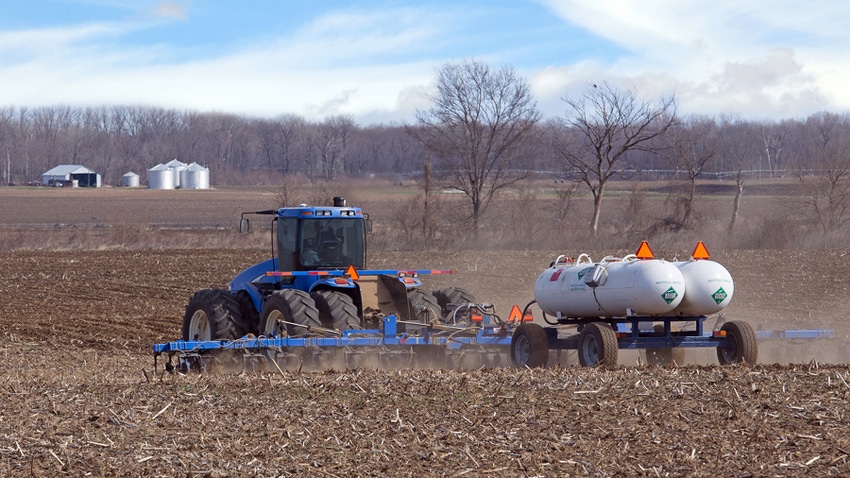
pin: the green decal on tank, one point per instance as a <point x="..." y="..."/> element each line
<point x="669" y="295"/>
<point x="719" y="296"/>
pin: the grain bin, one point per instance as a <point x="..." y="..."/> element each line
<point x="161" y="177"/>
<point x="177" y="166"/>
<point x="130" y="180"/>
<point x="195" y="176"/>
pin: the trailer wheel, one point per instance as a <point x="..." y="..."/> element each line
<point x="529" y="346"/>
<point x="213" y="314"/>
<point x="597" y="346"/>
<point x="452" y="295"/>
<point x="288" y="305"/>
<point x="741" y="345"/>
<point x="336" y="310"/>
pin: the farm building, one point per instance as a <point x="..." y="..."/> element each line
<point x="71" y="175"/>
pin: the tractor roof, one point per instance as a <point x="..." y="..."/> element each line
<point x="309" y="212"/>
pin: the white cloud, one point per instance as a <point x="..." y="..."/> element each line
<point x="332" y="66"/>
<point x="173" y="10"/>
<point x="758" y="58"/>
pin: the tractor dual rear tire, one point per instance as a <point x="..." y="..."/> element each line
<point x="597" y="346"/>
<point x="423" y="308"/>
<point x="336" y="310"/>
<point x="452" y="295"/>
<point x="288" y="312"/>
<point x="741" y="345"/>
<point x="213" y="314"/>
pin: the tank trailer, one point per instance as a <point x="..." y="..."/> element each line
<point x="316" y="304"/>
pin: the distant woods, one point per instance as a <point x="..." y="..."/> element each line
<point x="481" y="135"/>
<point x="113" y="140"/>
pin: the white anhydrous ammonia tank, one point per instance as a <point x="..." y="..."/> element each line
<point x="708" y="288"/>
<point x="613" y="287"/>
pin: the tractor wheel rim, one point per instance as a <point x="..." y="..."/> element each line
<point x="271" y="329"/>
<point x="199" y="326"/>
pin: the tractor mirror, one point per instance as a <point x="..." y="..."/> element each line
<point x="368" y="226"/>
<point x="244" y="226"/>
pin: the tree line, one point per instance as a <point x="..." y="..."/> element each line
<point x="481" y="134"/>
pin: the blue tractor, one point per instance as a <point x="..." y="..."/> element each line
<point x="316" y="284"/>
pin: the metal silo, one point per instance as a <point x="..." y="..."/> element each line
<point x="161" y="177"/>
<point x="130" y="180"/>
<point x="177" y="166"/>
<point x="195" y="176"/>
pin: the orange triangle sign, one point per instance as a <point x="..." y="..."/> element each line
<point x="644" y="252"/>
<point x="700" y="252"/>
<point x="352" y="273"/>
<point x="516" y="314"/>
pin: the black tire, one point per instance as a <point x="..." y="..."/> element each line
<point x="529" y="346"/>
<point x="452" y="295"/>
<point x="288" y="305"/>
<point x="423" y="306"/>
<point x="336" y="310"/>
<point x="597" y="346"/>
<point x="213" y="314"/>
<point x="250" y="314"/>
<point x="665" y="356"/>
<point x="740" y="346"/>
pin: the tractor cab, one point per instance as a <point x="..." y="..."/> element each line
<point x="318" y="237"/>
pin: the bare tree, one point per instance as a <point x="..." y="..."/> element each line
<point x="773" y="139"/>
<point x="689" y="146"/>
<point x="738" y="147"/>
<point x="331" y="140"/>
<point x="7" y="134"/>
<point x="826" y="173"/>
<point x="479" y="129"/>
<point x="602" y="126"/>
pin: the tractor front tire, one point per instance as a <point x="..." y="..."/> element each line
<point x="250" y="315"/>
<point x="288" y="312"/>
<point x="213" y="314"/>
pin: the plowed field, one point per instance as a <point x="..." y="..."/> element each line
<point x="80" y="396"/>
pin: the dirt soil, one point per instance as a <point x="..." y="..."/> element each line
<point x="81" y="396"/>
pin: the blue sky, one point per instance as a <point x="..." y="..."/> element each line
<point x="376" y="59"/>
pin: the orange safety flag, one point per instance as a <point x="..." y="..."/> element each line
<point x="700" y="252"/>
<point x="515" y="315"/>
<point x="644" y="251"/>
<point x="352" y="273"/>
